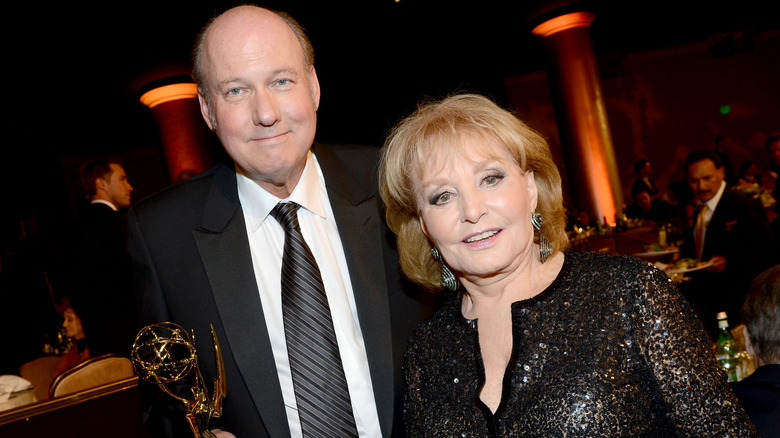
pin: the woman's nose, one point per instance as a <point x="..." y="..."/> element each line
<point x="473" y="207"/>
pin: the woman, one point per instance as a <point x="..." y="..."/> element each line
<point x="71" y="325"/>
<point x="532" y="341"/>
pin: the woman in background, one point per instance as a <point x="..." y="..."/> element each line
<point x="532" y="341"/>
<point x="79" y="352"/>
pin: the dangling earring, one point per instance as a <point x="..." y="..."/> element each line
<point x="448" y="279"/>
<point x="545" y="249"/>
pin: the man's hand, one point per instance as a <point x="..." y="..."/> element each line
<point x="222" y="434"/>
<point x="718" y="264"/>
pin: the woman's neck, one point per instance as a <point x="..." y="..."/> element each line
<point x="484" y="296"/>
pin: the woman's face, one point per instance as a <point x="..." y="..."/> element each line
<point x="476" y="208"/>
<point x="72" y="325"/>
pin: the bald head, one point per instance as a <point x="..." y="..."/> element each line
<point x="248" y="16"/>
<point x="258" y="91"/>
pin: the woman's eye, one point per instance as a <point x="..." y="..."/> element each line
<point x="440" y="199"/>
<point x="493" y="179"/>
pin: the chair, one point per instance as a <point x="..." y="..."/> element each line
<point x="40" y="372"/>
<point x="91" y="373"/>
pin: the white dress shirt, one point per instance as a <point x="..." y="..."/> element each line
<point x="266" y="242"/>
<point x="103" y="201"/>
<point x="711" y="205"/>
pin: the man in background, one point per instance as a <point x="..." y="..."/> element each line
<point x="730" y="233"/>
<point x="760" y="391"/>
<point x="99" y="282"/>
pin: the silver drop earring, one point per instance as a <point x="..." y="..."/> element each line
<point x="448" y="279"/>
<point x="545" y="249"/>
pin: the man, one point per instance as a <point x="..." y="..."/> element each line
<point x="105" y="182"/>
<point x="645" y="207"/>
<point x="730" y="233"/>
<point x="773" y="147"/>
<point x="209" y="250"/>
<point x="99" y="275"/>
<point x="760" y="391"/>
<point x="644" y="181"/>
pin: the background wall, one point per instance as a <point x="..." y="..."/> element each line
<point x="666" y="103"/>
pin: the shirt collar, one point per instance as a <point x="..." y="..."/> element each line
<point x="712" y="203"/>
<point x="257" y="203"/>
<point x="103" y="201"/>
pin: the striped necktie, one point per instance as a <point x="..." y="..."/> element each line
<point x="699" y="236"/>
<point x="320" y="385"/>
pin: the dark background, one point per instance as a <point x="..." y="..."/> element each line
<point x="75" y="70"/>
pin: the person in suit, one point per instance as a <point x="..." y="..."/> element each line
<point x="644" y="181"/>
<point x="207" y="251"/>
<point x="760" y="391"/>
<point x="655" y="210"/>
<point x="730" y="233"/>
<point x="98" y="278"/>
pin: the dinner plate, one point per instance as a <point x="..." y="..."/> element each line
<point x="663" y="252"/>
<point x="672" y="270"/>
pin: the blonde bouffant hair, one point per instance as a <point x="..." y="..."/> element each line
<point x="446" y="128"/>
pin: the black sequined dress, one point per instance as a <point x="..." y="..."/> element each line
<point x="609" y="349"/>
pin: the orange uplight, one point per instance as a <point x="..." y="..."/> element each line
<point x="564" y="22"/>
<point x="168" y="93"/>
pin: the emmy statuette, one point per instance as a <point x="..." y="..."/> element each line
<point x="163" y="354"/>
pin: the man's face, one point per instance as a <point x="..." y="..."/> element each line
<point x="647" y="170"/>
<point x="705" y="179"/>
<point x="774" y="152"/>
<point x="644" y="201"/>
<point x="263" y="97"/>
<point x="117" y="188"/>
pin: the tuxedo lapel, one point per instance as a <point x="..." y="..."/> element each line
<point x="357" y="217"/>
<point x="224" y="249"/>
<point x="717" y="227"/>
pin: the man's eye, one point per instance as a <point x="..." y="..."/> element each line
<point x="234" y="91"/>
<point x="283" y="82"/>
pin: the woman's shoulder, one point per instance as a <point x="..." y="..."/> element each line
<point x="446" y="320"/>
<point x="620" y="276"/>
<point x="607" y="263"/>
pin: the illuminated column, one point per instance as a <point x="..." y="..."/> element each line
<point x="582" y="117"/>
<point x="184" y="134"/>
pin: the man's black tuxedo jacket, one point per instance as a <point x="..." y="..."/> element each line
<point x="760" y="396"/>
<point x="99" y="280"/>
<point x="739" y="231"/>
<point x="193" y="266"/>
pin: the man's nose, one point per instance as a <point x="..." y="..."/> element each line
<point x="265" y="109"/>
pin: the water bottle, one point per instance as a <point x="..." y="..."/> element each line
<point x="726" y="350"/>
<point x="662" y="236"/>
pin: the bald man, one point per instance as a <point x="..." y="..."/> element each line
<point x="208" y="251"/>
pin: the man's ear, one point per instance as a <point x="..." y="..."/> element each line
<point x="314" y="87"/>
<point x="205" y="110"/>
<point x="100" y="184"/>
<point x="748" y="343"/>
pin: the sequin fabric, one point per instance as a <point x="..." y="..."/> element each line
<point x="609" y="349"/>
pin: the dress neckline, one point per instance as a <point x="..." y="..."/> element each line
<point x="472" y="323"/>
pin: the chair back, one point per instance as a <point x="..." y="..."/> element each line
<point x="91" y="373"/>
<point x="40" y="372"/>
